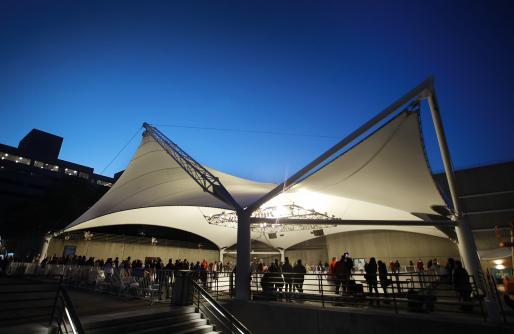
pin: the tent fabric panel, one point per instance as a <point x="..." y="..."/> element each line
<point x="187" y="218"/>
<point x="245" y="192"/>
<point x="191" y="219"/>
<point x="153" y="178"/>
<point x="388" y="168"/>
<point x="286" y="240"/>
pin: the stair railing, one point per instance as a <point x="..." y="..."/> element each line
<point x="63" y="317"/>
<point x="215" y="312"/>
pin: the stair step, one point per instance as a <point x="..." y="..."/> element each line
<point x="131" y="325"/>
<point x="24" y="319"/>
<point x="121" y="318"/>
<point x="19" y="306"/>
<point x="183" y="327"/>
<point x="197" y="330"/>
<point x="16" y="298"/>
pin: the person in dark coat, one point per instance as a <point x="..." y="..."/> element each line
<point x="461" y="282"/>
<point x="450" y="268"/>
<point x="371" y="277"/>
<point x="276" y="278"/>
<point x="382" y="274"/>
<point x="267" y="285"/>
<point x="341" y="272"/>
<point x="287" y="270"/>
<point x="348" y="261"/>
<point x="300" y="271"/>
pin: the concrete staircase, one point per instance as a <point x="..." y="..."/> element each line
<point x="24" y="302"/>
<point x="176" y="319"/>
<point x="26" y="307"/>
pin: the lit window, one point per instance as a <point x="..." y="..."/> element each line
<point x="70" y="172"/>
<point x="15" y="158"/>
<point x="84" y="175"/>
<point x="44" y="165"/>
<point x="103" y="183"/>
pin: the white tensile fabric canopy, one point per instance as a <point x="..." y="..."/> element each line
<point x="384" y="177"/>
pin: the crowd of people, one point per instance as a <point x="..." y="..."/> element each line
<point x="128" y="263"/>
<point x="281" y="276"/>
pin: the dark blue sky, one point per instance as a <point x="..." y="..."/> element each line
<point x="93" y="72"/>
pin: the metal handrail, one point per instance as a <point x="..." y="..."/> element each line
<point x="60" y="311"/>
<point x="491" y="284"/>
<point x="405" y="288"/>
<point x="63" y="313"/>
<point x="229" y="321"/>
<point x="400" y="287"/>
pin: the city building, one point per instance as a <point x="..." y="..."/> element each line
<point x="40" y="192"/>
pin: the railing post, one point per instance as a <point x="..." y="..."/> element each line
<point x="479" y="297"/>
<point x="256" y="276"/>
<point x="198" y="299"/>
<point x="231" y="284"/>
<point x="492" y="283"/>
<point x="398" y="285"/>
<point x="55" y="301"/>
<point x="394" y="297"/>
<point x="322" y="294"/>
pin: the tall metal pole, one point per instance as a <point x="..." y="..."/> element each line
<point x="467" y="246"/>
<point x="44" y="248"/>
<point x="243" y="255"/>
<point x="445" y="153"/>
<point x="222" y="251"/>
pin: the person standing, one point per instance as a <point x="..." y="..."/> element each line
<point x="267" y="285"/>
<point x="332" y="265"/>
<point x="371" y="277"/>
<point x="108" y="270"/>
<point x="287" y="270"/>
<point x="348" y="262"/>
<point x="392" y="267"/>
<point x="450" y="269"/>
<point x="331" y="278"/>
<point x="260" y="267"/>
<point x="276" y="278"/>
<point x="383" y="276"/>
<point x="461" y="282"/>
<point x="340" y="271"/>
<point x="300" y="271"/>
<point x="420" y="265"/>
<point x="397" y="266"/>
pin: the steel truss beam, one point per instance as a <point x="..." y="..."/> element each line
<point x="441" y="223"/>
<point x="208" y="182"/>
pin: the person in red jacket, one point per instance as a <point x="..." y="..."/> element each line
<point x="332" y="265"/>
<point x="331" y="268"/>
<point x="419" y="266"/>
